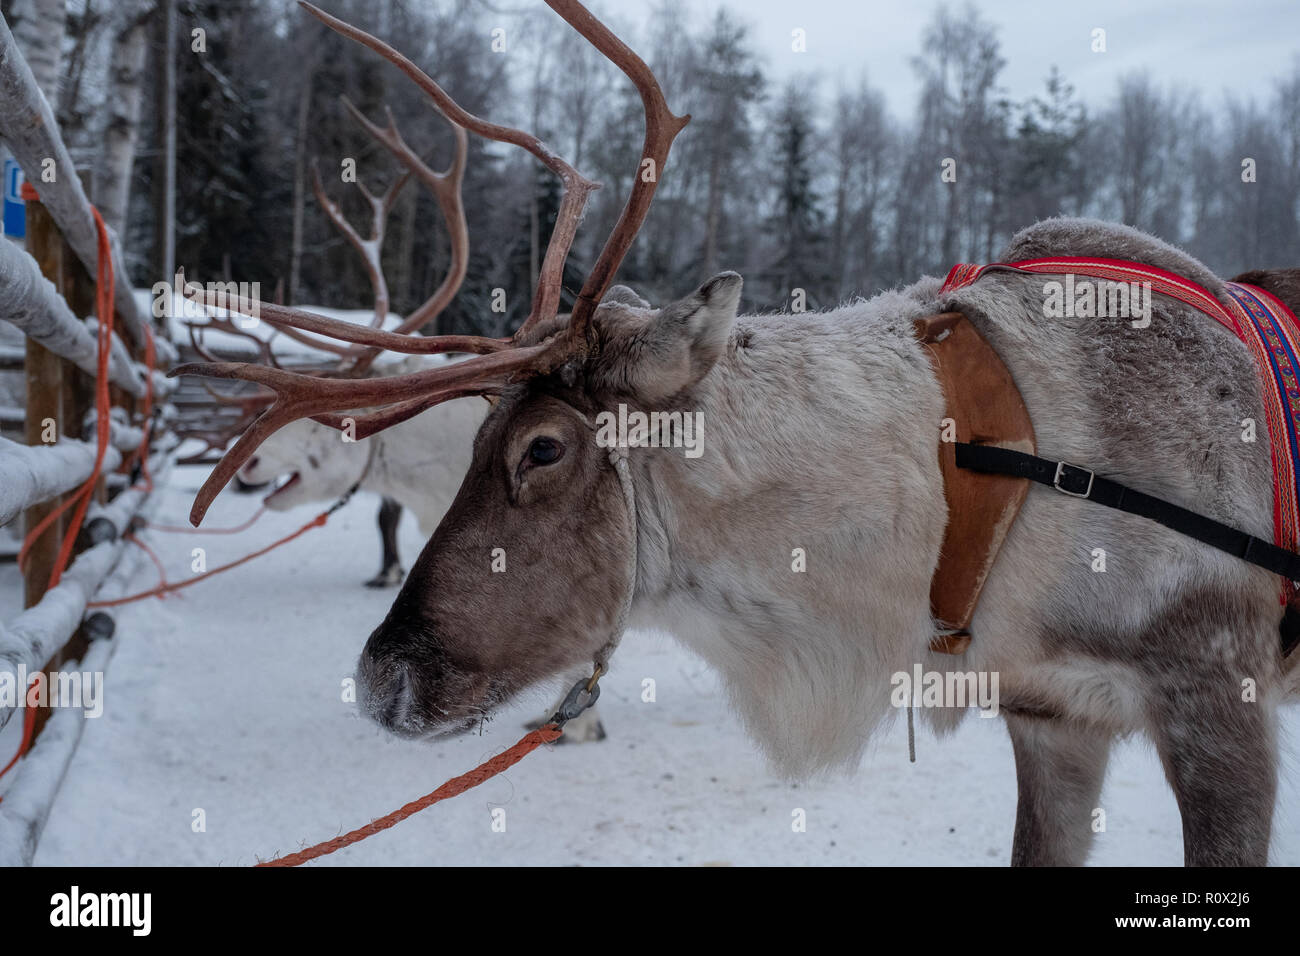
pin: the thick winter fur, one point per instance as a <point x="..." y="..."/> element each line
<point x="820" y="441"/>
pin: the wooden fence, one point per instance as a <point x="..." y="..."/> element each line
<point x="46" y="292"/>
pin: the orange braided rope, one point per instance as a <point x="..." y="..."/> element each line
<point x="104" y="295"/>
<point x="165" y="588"/>
<point x="153" y="556"/>
<point x="104" y="291"/>
<point x="181" y="529"/>
<point x="457" y="785"/>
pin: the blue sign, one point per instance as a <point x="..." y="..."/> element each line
<point x="15" y="208"/>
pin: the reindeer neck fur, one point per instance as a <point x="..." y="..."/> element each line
<point x="819" y="440"/>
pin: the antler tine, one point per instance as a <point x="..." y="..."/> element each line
<point x="305" y="396"/>
<point x="196" y="341"/>
<point x="662" y="127"/>
<point x="499" y="362"/>
<point x="289" y="320"/>
<point x="225" y="325"/>
<point x="546" y="299"/>
<point x="370" y="248"/>
<point x="373" y="422"/>
<point x="257" y="400"/>
<point x="446" y="189"/>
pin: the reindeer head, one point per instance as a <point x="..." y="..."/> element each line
<point x="527" y="574"/>
<point x="530" y="569"/>
<point x="315" y="465"/>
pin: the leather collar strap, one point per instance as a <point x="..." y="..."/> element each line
<point x="1081" y="483"/>
<point x="983" y="406"/>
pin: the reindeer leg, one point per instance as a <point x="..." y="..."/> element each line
<point x="1219" y="754"/>
<point x="1059" y="771"/>
<point x="390" y="573"/>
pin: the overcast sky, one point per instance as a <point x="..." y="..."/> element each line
<point x="1212" y="45"/>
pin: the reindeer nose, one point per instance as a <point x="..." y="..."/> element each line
<point x="387" y="691"/>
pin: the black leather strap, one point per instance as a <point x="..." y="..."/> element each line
<point x="1082" y="483"/>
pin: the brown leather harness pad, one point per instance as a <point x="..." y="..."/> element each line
<point x="986" y="408"/>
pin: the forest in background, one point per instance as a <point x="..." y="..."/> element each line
<point x="806" y="183"/>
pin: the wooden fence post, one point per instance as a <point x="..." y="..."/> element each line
<point x="46" y="376"/>
<point x="58" y="390"/>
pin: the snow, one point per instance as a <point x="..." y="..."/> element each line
<point x="226" y="699"/>
<point x="29" y="799"/>
<point x="30" y="638"/>
<point x="36" y="473"/>
<point x="184" y="311"/>
<point x="32" y="304"/>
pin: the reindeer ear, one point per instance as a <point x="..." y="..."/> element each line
<point x="669" y="351"/>
<point x="626" y="296"/>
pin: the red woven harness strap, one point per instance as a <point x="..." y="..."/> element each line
<point x="1259" y="320"/>
<point x="1114" y="270"/>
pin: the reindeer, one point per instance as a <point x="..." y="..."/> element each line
<point x="822" y="433"/>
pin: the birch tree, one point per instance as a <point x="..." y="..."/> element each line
<point x="125" y="92"/>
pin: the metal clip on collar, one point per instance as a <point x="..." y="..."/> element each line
<point x="581" y="695"/>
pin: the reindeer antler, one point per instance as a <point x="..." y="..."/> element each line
<point x="369" y="247"/>
<point x="499" y="362"/>
<point x="446" y="189"/>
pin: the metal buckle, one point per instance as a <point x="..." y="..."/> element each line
<point x="581" y="695"/>
<point x="1060" y="472"/>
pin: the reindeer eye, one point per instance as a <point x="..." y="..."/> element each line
<point x="545" y="451"/>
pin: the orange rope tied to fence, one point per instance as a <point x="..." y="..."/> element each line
<point x="104" y="292"/>
<point x="104" y="295"/>
<point x="457" y="785"/>
<point x="142" y="451"/>
<point x="166" y="588"/>
<point x="183" y="529"/>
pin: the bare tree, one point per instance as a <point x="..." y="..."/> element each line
<point x="38" y="28"/>
<point x="125" y="92"/>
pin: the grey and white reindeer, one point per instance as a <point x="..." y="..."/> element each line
<point x="821" y="434"/>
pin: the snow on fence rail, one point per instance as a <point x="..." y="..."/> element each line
<point x="30" y="639"/>
<point x="30" y="474"/>
<point x="27" y="802"/>
<point x="31" y="302"/>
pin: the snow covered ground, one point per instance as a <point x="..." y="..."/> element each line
<point x="227" y="699"/>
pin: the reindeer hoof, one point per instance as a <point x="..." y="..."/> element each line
<point x="387" y="578"/>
